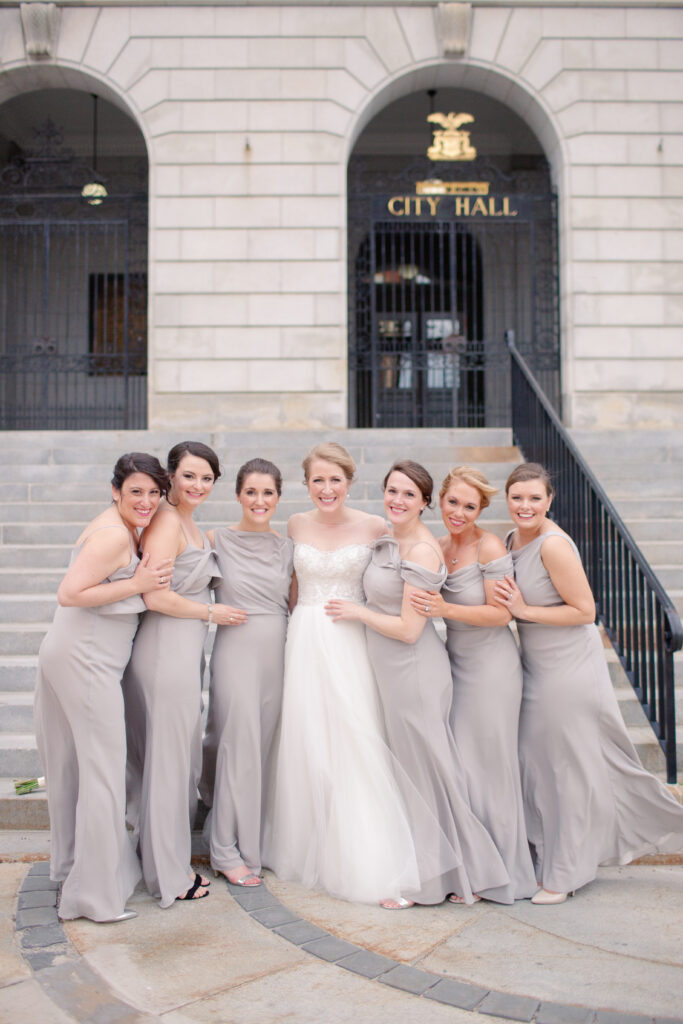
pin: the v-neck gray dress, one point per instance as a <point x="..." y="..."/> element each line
<point x="455" y="853"/>
<point x="82" y="743"/>
<point x="487" y="693"/>
<point x="588" y="800"/>
<point x="247" y="667"/>
<point x="162" y="688"/>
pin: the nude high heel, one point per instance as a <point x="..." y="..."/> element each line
<point x="544" y="898"/>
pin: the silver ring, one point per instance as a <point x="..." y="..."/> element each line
<point x="427" y="607"/>
<point x="231" y="619"/>
<point x="162" y="579"/>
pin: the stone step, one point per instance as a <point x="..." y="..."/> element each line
<point x="19" y="756"/>
<point x="21" y="609"/>
<point x="16" y="712"/>
<point x="18" y="672"/>
<point x="31" y="581"/>
<point x="22" y="641"/>
<point x="34" y="557"/>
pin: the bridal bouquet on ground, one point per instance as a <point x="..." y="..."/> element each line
<point x="24" y="786"/>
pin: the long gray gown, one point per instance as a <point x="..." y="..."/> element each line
<point x="487" y="693"/>
<point x="162" y="688"/>
<point x="455" y="853"/>
<point x="247" y="666"/>
<point x="82" y="743"/>
<point x="587" y="798"/>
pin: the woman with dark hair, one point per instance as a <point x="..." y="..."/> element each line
<point x="162" y="684"/>
<point x="485" y="667"/>
<point x="78" y="704"/>
<point x="587" y="798"/>
<point x="247" y="664"/>
<point x="455" y="853"/>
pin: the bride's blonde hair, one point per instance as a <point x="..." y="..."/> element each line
<point x="330" y="451"/>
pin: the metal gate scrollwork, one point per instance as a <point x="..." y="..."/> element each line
<point x="73" y="316"/>
<point x="435" y="284"/>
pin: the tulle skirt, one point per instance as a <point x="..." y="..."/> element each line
<point x="335" y="818"/>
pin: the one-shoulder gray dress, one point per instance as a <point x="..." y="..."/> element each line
<point x="162" y="688"/>
<point x="247" y="666"/>
<point x="588" y="800"/>
<point x="487" y="693"/>
<point x="82" y="742"/>
<point x="455" y="853"/>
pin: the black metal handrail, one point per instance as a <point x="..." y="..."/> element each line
<point x="639" y="617"/>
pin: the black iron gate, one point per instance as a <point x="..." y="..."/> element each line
<point x="436" y="279"/>
<point x="73" y="306"/>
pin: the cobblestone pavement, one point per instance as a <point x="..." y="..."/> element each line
<point x="279" y="953"/>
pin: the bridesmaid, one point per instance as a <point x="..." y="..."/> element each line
<point x="247" y="665"/>
<point x="162" y="684"/>
<point x="587" y="798"/>
<point x="486" y="669"/>
<point x="455" y="853"/>
<point x="78" y="705"/>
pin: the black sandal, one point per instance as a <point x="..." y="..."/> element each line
<point x="190" y="894"/>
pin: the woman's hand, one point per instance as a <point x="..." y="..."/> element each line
<point x="153" y="578"/>
<point x="428" y="603"/>
<point x="224" y="615"/>
<point x="344" y="611"/>
<point x="508" y="594"/>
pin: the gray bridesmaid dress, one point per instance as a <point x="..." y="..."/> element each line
<point x="487" y="693"/>
<point x="247" y="667"/>
<point x="162" y="688"/>
<point x="588" y="800"/>
<point x="455" y="853"/>
<point x="82" y="743"/>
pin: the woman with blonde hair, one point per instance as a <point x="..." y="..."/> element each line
<point x="335" y="819"/>
<point x="485" y="668"/>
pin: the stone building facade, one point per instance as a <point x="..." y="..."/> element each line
<point x="249" y="118"/>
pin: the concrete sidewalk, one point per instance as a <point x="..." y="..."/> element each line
<point x="611" y="955"/>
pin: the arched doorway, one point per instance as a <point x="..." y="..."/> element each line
<point x="447" y="255"/>
<point x="73" y="263"/>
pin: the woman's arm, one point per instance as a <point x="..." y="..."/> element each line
<point x="568" y="578"/>
<point x="102" y="554"/>
<point x="293" y="592"/>
<point x="489" y="614"/>
<point x="407" y="626"/>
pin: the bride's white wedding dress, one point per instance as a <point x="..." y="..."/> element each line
<point x="334" y="817"/>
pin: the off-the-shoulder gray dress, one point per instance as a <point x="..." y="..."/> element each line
<point x="587" y="798"/>
<point x="162" y="688"/>
<point x="247" y="666"/>
<point x="487" y="693"/>
<point x="82" y="742"/>
<point x="455" y="853"/>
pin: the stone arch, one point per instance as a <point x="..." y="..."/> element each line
<point x="73" y="327"/>
<point x="538" y="329"/>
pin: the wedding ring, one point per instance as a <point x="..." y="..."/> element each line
<point x="162" y="579"/>
<point x="427" y="607"/>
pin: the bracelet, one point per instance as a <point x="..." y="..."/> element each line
<point x="210" y="618"/>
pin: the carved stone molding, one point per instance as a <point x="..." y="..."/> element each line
<point x="453" y="28"/>
<point x="40" y="23"/>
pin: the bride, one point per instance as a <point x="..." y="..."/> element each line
<point x="335" y="820"/>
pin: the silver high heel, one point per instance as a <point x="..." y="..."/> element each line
<point x="544" y="898"/>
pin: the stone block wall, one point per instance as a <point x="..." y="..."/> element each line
<point x="250" y="114"/>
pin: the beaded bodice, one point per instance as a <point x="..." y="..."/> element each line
<point x="325" y="574"/>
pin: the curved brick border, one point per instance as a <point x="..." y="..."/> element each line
<point x="70" y="983"/>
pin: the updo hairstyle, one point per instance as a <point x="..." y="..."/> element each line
<point x="415" y="472"/>
<point x="474" y="478"/>
<point x="140" y="462"/>
<point x="530" y="471"/>
<point x="330" y="451"/>
<point x="196" y="448"/>
<point x="258" y="466"/>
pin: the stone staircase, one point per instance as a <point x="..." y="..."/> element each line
<point x="55" y="482"/>
<point x="642" y="473"/>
